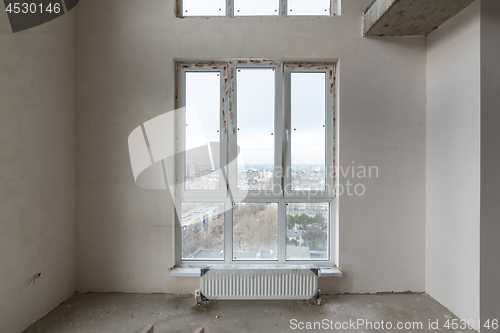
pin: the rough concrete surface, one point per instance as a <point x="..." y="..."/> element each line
<point x="113" y="312"/>
<point x="409" y="17"/>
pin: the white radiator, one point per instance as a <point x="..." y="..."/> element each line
<point x="297" y="282"/>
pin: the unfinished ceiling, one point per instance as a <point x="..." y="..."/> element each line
<point x="409" y="17"/>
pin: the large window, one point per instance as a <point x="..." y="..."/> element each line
<point x="255" y="162"/>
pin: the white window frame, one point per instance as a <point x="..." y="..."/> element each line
<point x="181" y="130"/>
<point x="283" y="12"/>
<point x="228" y="133"/>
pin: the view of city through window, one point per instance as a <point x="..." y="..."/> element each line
<point x="256" y="177"/>
<point x="255" y="231"/>
<point x="202" y="229"/>
<point x="307" y="231"/>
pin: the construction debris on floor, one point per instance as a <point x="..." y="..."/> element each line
<point x="162" y="313"/>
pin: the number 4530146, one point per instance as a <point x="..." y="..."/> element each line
<point x="463" y="324"/>
<point x="32" y="8"/>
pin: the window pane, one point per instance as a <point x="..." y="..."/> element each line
<point x="256" y="7"/>
<point x="307" y="231"/>
<point x="255" y="231"/>
<point x="309" y="7"/>
<point x="202" y="231"/>
<point x="255" y="107"/>
<point x="202" y="170"/>
<point x="308" y="139"/>
<point x="204" y="7"/>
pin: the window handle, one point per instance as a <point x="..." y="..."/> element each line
<point x="287" y="136"/>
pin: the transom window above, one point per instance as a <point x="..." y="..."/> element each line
<point x="234" y="8"/>
<point x="255" y="162"/>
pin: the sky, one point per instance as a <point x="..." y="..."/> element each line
<point x="255" y="94"/>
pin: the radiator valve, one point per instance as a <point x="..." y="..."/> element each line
<point x="197" y="297"/>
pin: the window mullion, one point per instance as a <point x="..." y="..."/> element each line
<point x="179" y="6"/>
<point x="281" y="143"/>
<point x="282" y="227"/>
<point x="330" y="133"/>
<point x="231" y="120"/>
<point x="279" y="128"/>
<point x="333" y="7"/>
<point x="230" y="8"/>
<point x="223" y="138"/>
<point x="288" y="134"/>
<point x="231" y="167"/>
<point x="285" y="158"/>
<point x="228" y="231"/>
<point x="228" y="217"/>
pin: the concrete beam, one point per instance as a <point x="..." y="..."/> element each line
<point x="409" y="17"/>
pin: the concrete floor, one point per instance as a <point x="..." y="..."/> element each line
<point x="102" y="312"/>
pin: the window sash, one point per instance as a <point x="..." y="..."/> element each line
<point x="278" y="130"/>
<point x="329" y="71"/>
<point x="181" y="192"/>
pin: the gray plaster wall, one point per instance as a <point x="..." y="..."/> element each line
<point x="453" y="163"/>
<point x="37" y="169"/>
<point x="490" y="160"/>
<point x="125" y="64"/>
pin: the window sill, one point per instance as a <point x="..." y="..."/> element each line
<point x="196" y="271"/>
